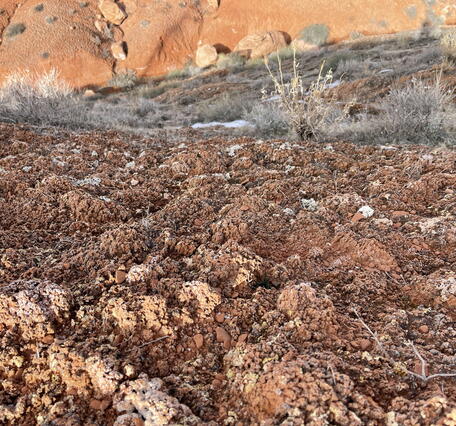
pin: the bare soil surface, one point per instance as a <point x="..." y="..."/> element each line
<point x="222" y="281"/>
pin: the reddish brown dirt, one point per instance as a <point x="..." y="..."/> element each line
<point x="150" y="282"/>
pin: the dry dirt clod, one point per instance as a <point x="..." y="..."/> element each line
<point x="120" y="276"/>
<point x="199" y="340"/>
<point x="101" y="405"/>
<point x="223" y="337"/>
<point x="219" y="317"/>
<point x="423" y="329"/>
<point x="357" y="217"/>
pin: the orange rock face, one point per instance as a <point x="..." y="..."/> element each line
<point x="55" y="34"/>
<point x="76" y="37"/>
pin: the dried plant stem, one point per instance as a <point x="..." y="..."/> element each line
<point x="423" y="376"/>
<point x="158" y="339"/>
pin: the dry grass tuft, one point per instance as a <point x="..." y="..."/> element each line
<point x="417" y="113"/>
<point x="40" y="100"/>
<point x="311" y="110"/>
<point x="448" y="46"/>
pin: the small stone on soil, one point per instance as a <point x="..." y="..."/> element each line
<point x="223" y="337"/>
<point x="120" y="276"/>
<point x="423" y="329"/>
<point x="199" y="340"/>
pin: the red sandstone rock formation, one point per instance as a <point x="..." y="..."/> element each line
<point x="82" y="39"/>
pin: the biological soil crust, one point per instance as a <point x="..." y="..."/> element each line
<point x="152" y="282"/>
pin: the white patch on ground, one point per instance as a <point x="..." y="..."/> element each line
<point x="447" y="287"/>
<point x="387" y="70"/>
<point x="289" y="212"/>
<point x="231" y="150"/>
<point x="309" y="204"/>
<point x="95" y="181"/>
<point x="230" y="124"/>
<point x="333" y="84"/>
<point x="366" y="211"/>
<point x="273" y="98"/>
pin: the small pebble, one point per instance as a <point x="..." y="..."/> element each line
<point x="423" y="329"/>
<point x="220" y="317"/>
<point x="242" y="338"/>
<point x="199" y="340"/>
<point x="49" y="339"/>
<point x="357" y="217"/>
<point x="120" y="276"/>
<point x="223" y="337"/>
<point x="97" y="404"/>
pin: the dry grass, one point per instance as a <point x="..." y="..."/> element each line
<point x="311" y="110"/>
<point x="125" y="80"/>
<point x="40" y="100"/>
<point x="417" y="113"/>
<point x="448" y="46"/>
<point x="225" y="108"/>
<point x="268" y="119"/>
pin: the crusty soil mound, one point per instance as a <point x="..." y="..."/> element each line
<point x="88" y="41"/>
<point x="220" y="282"/>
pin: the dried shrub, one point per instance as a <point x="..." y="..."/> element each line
<point x="232" y="61"/>
<point x="225" y="108"/>
<point x="269" y="120"/>
<point x="44" y="100"/>
<point x="310" y="110"/>
<point x="417" y="113"/>
<point x="315" y="34"/>
<point x="448" y="46"/>
<point x="124" y="80"/>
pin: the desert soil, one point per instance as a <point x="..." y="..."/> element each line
<point x="223" y="281"/>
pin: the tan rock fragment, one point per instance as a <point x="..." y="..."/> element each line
<point x="112" y="11"/>
<point x="206" y="55"/>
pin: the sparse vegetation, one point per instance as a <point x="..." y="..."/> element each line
<point x="232" y="61"/>
<point x="39" y="7"/>
<point x="352" y="67"/>
<point x="316" y="34"/>
<point x="125" y="80"/>
<point x="227" y="107"/>
<point x="43" y="100"/>
<point x="332" y="62"/>
<point x="284" y="53"/>
<point x="306" y="106"/>
<point x="180" y="73"/>
<point x="268" y="119"/>
<point x="151" y="92"/>
<point x="15" y="29"/>
<point x="417" y="113"/>
<point x="448" y="46"/>
<point x="309" y="109"/>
